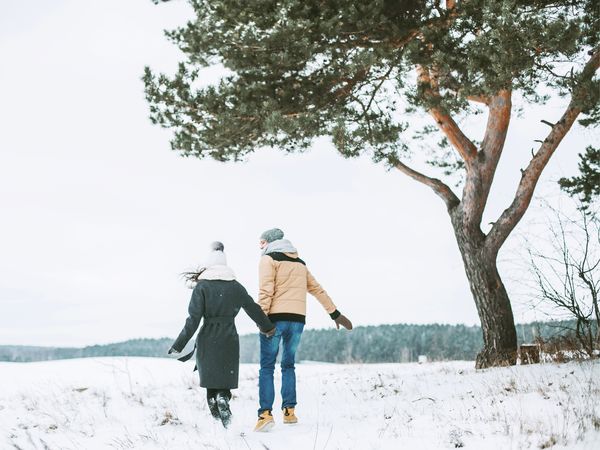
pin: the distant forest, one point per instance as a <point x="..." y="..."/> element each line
<point x="372" y="344"/>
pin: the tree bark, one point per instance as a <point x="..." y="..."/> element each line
<point x="491" y="299"/>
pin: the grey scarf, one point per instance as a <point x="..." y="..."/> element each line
<point x="279" y="246"/>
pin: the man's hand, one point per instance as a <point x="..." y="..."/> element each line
<point x="343" y="321"/>
<point x="269" y="333"/>
<point x="172" y="350"/>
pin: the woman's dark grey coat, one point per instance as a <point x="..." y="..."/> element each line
<point x="217" y="302"/>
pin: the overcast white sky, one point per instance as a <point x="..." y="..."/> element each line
<point x="99" y="217"/>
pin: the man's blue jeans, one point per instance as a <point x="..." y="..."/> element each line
<point x="289" y="333"/>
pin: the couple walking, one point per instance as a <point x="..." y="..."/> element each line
<point x="280" y="315"/>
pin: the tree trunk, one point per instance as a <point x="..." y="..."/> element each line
<point x="489" y="293"/>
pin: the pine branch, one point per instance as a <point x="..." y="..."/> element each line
<point x="466" y="149"/>
<point x="438" y="186"/>
<point x="530" y="176"/>
<point x="481" y="176"/>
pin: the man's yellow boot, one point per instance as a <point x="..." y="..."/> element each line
<point x="289" y="416"/>
<point x="265" y="421"/>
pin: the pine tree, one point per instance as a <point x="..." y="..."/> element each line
<point x="357" y="71"/>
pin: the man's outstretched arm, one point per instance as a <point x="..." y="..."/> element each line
<point x="315" y="289"/>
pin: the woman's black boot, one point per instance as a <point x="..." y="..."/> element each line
<point x="223" y="407"/>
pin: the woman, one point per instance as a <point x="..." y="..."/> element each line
<point x="217" y="299"/>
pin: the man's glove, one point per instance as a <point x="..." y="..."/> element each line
<point x="269" y="333"/>
<point x="172" y="350"/>
<point x="343" y="321"/>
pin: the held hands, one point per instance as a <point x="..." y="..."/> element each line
<point x="343" y="321"/>
<point x="269" y="333"/>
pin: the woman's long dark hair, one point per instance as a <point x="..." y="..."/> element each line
<point x="191" y="278"/>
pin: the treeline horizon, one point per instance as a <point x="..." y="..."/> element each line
<point x="364" y="344"/>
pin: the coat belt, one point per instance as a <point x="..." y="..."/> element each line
<point x="219" y="319"/>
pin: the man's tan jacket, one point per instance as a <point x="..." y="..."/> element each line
<point x="284" y="281"/>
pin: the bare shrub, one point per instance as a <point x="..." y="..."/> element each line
<point x="567" y="278"/>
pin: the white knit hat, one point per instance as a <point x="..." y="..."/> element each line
<point x="216" y="257"/>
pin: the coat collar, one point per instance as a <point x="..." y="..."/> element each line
<point x="217" y="272"/>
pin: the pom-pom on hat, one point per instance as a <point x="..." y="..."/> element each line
<point x="217" y="246"/>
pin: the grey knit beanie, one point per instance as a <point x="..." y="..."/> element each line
<point x="274" y="234"/>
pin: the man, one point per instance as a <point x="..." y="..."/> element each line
<point x="284" y="281"/>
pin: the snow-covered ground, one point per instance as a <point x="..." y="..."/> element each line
<point x="157" y="404"/>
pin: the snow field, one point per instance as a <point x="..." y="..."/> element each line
<point x="122" y="403"/>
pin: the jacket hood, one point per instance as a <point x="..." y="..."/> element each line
<point x="280" y="246"/>
<point x="217" y="272"/>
